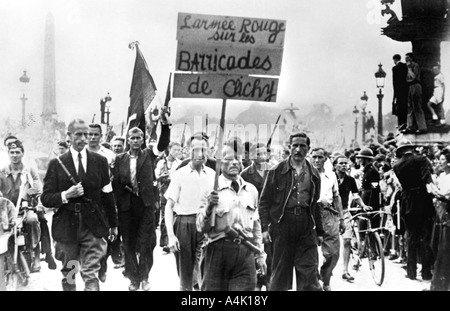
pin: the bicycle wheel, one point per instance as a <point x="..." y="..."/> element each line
<point x="355" y="255"/>
<point x="375" y="256"/>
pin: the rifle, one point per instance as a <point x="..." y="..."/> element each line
<point x="239" y="236"/>
<point x="182" y="136"/>
<point x="72" y="180"/>
<point x="269" y="142"/>
<point x="93" y="118"/>
<point x="215" y="138"/>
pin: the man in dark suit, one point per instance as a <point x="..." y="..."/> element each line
<point x="133" y="177"/>
<point x="85" y="208"/>
<point x="414" y="173"/>
<point x="400" y="100"/>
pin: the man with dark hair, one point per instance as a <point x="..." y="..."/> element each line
<point x="85" y="212"/>
<point x="183" y="200"/>
<point x="136" y="202"/>
<point x="347" y="185"/>
<point x="95" y="136"/>
<point x="62" y="147"/>
<point x="416" y="119"/>
<point x="210" y="162"/>
<point x="118" y="145"/>
<point x="400" y="99"/>
<point x="165" y="168"/>
<point x="255" y="174"/>
<point x="20" y="176"/>
<point x="291" y="219"/>
<point x="332" y="216"/>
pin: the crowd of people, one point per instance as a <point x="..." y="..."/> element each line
<point x="234" y="216"/>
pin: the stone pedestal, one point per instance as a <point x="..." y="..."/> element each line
<point x="441" y="136"/>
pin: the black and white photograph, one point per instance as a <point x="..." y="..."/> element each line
<point x="224" y="146"/>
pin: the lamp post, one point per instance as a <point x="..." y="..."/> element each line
<point x="356" y="114"/>
<point x="24" y="79"/>
<point x="364" y="100"/>
<point x="380" y="75"/>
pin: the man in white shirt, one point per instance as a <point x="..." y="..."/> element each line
<point x="332" y="216"/>
<point x="183" y="198"/>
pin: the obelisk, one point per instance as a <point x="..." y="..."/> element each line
<point x="49" y="101"/>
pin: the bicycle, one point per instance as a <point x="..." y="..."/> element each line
<point x="371" y="248"/>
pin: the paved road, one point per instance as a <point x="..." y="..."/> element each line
<point x="163" y="277"/>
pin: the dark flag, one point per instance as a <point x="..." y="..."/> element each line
<point x="155" y="113"/>
<point x="142" y="93"/>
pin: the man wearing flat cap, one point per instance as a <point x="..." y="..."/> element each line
<point x="414" y="174"/>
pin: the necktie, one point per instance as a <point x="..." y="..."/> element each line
<point x="235" y="186"/>
<point x="80" y="168"/>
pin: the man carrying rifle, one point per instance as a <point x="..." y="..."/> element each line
<point x="77" y="185"/>
<point x="229" y="218"/>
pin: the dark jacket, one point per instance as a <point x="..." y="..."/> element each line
<point x="413" y="173"/>
<point x="98" y="214"/>
<point x="145" y="174"/>
<point x="276" y="191"/>
<point x="370" y="186"/>
<point x="251" y="175"/>
<point x="400" y="100"/>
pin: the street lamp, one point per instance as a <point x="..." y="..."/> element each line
<point x="356" y="114"/>
<point x="25" y="80"/>
<point x="380" y="75"/>
<point x="363" y="104"/>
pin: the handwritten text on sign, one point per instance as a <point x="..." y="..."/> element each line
<point x="225" y="86"/>
<point x="224" y="59"/>
<point x="201" y="29"/>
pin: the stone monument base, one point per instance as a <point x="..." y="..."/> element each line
<point x="439" y="135"/>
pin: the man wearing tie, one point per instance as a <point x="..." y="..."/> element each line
<point x="133" y="177"/>
<point x="77" y="185"/>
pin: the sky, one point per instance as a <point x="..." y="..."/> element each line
<point x="332" y="49"/>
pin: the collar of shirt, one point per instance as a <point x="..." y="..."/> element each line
<point x="290" y="166"/>
<point x="194" y="170"/>
<point x="74" y="154"/>
<point x="134" y="156"/>
<point x="225" y="183"/>
<point x="7" y="170"/>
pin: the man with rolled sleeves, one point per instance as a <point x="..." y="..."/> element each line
<point x="85" y="208"/>
<point x="288" y="204"/>
<point x="228" y="261"/>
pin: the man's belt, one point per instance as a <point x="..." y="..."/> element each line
<point x="296" y="210"/>
<point x="75" y="207"/>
